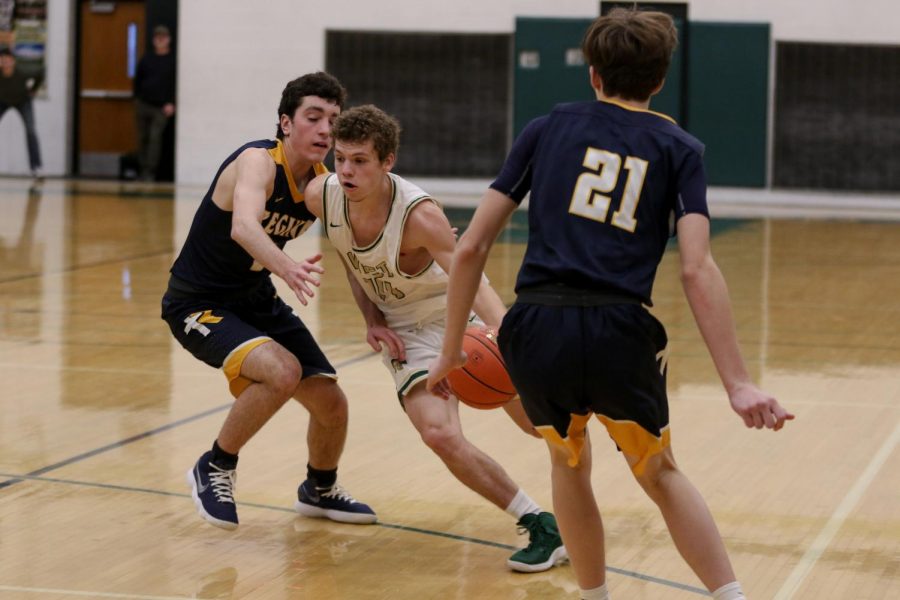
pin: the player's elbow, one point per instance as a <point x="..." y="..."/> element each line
<point x="697" y="268"/>
<point x="699" y="276"/>
<point x="693" y="275"/>
<point x="236" y="232"/>
<point x="690" y="274"/>
<point x="240" y="230"/>
<point x="470" y="248"/>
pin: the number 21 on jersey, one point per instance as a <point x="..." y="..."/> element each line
<point x="589" y="199"/>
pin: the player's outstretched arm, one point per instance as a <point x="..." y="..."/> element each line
<point x="707" y="295"/>
<point x="255" y="172"/>
<point x="488" y="305"/>
<point x="466" y="268"/>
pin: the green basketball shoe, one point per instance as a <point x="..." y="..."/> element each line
<point x="545" y="547"/>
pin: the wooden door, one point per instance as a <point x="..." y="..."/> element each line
<point x="111" y="34"/>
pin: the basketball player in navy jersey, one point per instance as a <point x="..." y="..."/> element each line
<point x="607" y="180"/>
<point x="222" y="307"/>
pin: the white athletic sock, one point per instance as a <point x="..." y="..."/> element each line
<point x="729" y="591"/>
<point x="522" y="505"/>
<point x="597" y="593"/>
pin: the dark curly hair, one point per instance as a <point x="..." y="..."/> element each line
<point x="368" y="122"/>
<point x="319" y="84"/>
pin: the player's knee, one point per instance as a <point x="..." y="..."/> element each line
<point x="659" y="468"/>
<point x="444" y="440"/>
<point x="325" y="400"/>
<point x="284" y="377"/>
<point x="335" y="411"/>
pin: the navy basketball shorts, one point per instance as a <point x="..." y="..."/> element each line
<point x="222" y="333"/>
<point x="571" y="362"/>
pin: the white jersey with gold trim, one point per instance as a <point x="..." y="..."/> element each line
<point x="405" y="298"/>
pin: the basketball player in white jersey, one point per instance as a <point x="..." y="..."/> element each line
<point x="397" y="246"/>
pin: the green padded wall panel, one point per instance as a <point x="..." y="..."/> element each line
<point x="728" y="78"/>
<point x="727" y="88"/>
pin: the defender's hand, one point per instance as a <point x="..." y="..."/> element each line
<point x="303" y="275"/>
<point x="758" y="409"/>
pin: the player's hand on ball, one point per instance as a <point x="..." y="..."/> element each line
<point x="437" y="374"/>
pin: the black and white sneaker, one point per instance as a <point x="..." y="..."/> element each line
<point x="336" y="504"/>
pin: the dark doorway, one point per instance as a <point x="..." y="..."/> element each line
<point x="112" y="36"/>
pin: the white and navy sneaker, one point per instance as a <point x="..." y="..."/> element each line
<point x="336" y="504"/>
<point x="212" y="489"/>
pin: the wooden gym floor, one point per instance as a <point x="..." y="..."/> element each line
<point x="104" y="413"/>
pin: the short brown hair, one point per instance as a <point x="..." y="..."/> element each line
<point x="630" y="50"/>
<point x="368" y="122"/>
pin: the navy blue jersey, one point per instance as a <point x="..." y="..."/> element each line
<point x="607" y="183"/>
<point x="211" y="261"/>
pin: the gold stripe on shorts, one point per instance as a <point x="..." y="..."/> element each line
<point x="235" y="360"/>
<point x="573" y="443"/>
<point x="636" y="441"/>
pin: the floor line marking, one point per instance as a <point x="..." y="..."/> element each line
<point x="37" y="590"/>
<point x="151" y="432"/>
<point x="820" y="544"/>
<point x="408" y="528"/>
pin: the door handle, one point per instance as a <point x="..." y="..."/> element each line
<point x="109" y="94"/>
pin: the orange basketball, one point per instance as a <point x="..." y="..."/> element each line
<point x="483" y="381"/>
